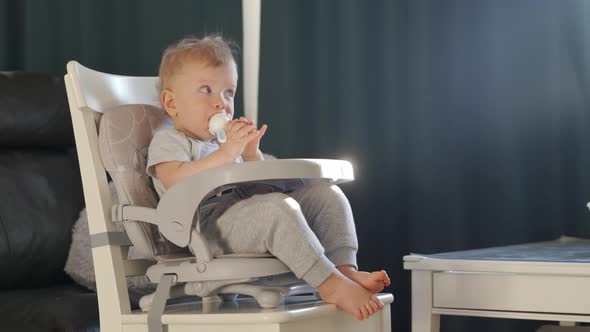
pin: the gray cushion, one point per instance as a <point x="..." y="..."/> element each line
<point x="124" y="137"/>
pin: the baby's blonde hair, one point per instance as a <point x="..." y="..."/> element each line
<point x="212" y="50"/>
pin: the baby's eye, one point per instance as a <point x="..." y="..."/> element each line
<point x="205" y="89"/>
<point x="229" y="93"/>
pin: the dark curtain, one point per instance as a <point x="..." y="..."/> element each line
<point x="467" y="121"/>
<point x="122" y="37"/>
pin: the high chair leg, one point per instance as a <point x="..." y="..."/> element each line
<point x="159" y="299"/>
<point x="146" y="301"/>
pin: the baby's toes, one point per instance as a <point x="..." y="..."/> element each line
<point x="377" y="304"/>
<point x="365" y="312"/>
<point x="378" y="275"/>
<point x="370" y="309"/>
<point x="385" y="278"/>
<point x="376" y="300"/>
<point x="358" y="314"/>
<point x="374" y="305"/>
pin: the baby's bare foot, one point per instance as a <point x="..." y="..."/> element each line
<point x="374" y="282"/>
<point x="349" y="296"/>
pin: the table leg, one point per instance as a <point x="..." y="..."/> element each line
<point x="423" y="320"/>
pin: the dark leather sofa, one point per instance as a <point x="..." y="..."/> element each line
<point x="40" y="199"/>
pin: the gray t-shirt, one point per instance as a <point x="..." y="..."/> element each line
<point x="169" y="144"/>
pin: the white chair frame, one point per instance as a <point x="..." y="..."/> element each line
<point x="111" y="265"/>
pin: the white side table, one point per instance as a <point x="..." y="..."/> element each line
<point x="300" y="313"/>
<point x="539" y="281"/>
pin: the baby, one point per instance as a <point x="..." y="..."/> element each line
<point x="310" y="229"/>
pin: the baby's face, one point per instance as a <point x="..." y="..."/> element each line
<point x="199" y="92"/>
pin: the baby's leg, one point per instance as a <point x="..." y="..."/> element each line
<point x="274" y="223"/>
<point x="270" y="223"/>
<point x="329" y="215"/>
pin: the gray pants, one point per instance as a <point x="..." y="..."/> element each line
<point x="311" y="230"/>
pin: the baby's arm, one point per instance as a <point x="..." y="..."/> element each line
<point x="239" y="134"/>
<point x="171" y="172"/>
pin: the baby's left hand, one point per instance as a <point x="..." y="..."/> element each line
<point x="252" y="150"/>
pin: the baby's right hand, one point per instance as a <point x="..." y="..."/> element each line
<point x="239" y="133"/>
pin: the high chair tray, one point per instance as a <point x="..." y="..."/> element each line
<point x="177" y="206"/>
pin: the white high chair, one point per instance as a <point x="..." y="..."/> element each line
<point x="117" y="115"/>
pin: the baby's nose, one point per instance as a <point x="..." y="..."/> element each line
<point x="219" y="104"/>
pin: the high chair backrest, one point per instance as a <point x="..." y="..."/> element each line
<point x="92" y="94"/>
<point x="101" y="91"/>
<point x="125" y="133"/>
<point x="127" y="110"/>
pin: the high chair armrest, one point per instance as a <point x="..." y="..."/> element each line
<point x="178" y="206"/>
<point x="125" y="212"/>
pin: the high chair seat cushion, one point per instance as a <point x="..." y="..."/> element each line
<point x="124" y="136"/>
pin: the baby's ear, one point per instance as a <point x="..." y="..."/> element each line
<point x="167" y="99"/>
